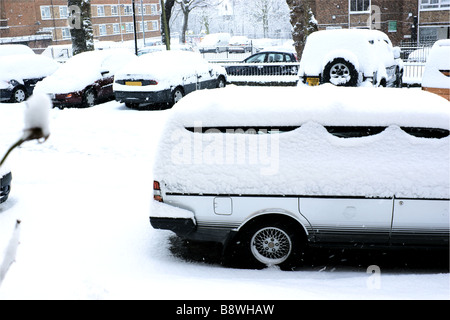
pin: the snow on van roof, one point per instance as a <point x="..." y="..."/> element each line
<point x="307" y="160"/>
<point x="325" y="104"/>
<point x="13" y="49"/>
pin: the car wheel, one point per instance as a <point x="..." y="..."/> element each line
<point x="221" y="83"/>
<point x="271" y="242"/>
<point x="19" y="95"/>
<point x="340" y="72"/>
<point x="89" y="98"/>
<point x="177" y="94"/>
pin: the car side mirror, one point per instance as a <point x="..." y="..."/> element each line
<point x="397" y="52"/>
<point x="104" y="72"/>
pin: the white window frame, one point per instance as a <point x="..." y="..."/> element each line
<point x="102" y="30"/>
<point x="63" y="12"/>
<point x="153" y="9"/>
<point x="359" y="11"/>
<point x="128" y="9"/>
<point x="46" y="13"/>
<point x="114" y="10"/>
<point x="65" y="33"/>
<point x="434" y="5"/>
<point x="100" y="10"/>
<point x="155" y="25"/>
<point x="129" y="27"/>
<point x="116" y="28"/>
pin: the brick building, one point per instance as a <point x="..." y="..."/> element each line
<point x="400" y="19"/>
<point x="39" y="23"/>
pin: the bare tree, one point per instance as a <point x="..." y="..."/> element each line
<point x="187" y="6"/>
<point x="302" y="21"/>
<point x="80" y="24"/>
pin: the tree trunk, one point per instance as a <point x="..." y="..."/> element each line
<point x="81" y="26"/>
<point x="302" y="21"/>
<point x="185" y="25"/>
<point x="167" y="11"/>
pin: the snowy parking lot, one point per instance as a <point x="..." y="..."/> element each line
<point x="83" y="198"/>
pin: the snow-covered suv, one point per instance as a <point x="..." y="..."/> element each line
<point x="350" y="57"/>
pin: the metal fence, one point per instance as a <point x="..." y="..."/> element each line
<point x="414" y="56"/>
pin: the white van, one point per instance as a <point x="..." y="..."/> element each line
<point x="266" y="171"/>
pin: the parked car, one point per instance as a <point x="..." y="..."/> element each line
<point x="165" y="77"/>
<point x="85" y="78"/>
<point x="350" y="57"/>
<point x="150" y="49"/>
<point x="5" y="184"/>
<point x="239" y="44"/>
<point x="214" y="42"/>
<point x="266" y="62"/>
<point x="436" y="76"/>
<point x="266" y="173"/>
<point x="20" y="70"/>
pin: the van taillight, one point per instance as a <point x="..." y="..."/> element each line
<point x="157" y="191"/>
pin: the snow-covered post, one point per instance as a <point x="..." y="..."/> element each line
<point x="37" y="118"/>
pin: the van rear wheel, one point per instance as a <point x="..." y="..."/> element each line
<point x="340" y="72"/>
<point x="271" y="242"/>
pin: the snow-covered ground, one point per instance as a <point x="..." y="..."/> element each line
<point x="83" y="198"/>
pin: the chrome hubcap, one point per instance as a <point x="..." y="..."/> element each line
<point x="271" y="246"/>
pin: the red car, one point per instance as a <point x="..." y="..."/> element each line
<point x="86" y="78"/>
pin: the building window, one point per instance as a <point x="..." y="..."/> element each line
<point x="100" y="11"/>
<point x="65" y="33"/>
<point x="102" y="29"/>
<point x="128" y="9"/>
<point x="129" y="27"/>
<point x="63" y="12"/>
<point x="359" y="5"/>
<point x="434" y="4"/>
<point x="116" y="28"/>
<point x="114" y="10"/>
<point x="155" y="26"/>
<point x="153" y="9"/>
<point x="46" y="12"/>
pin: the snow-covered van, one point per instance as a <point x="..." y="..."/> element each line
<point x="266" y="171"/>
<point x="351" y="57"/>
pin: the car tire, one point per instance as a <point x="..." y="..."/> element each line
<point x="177" y="95"/>
<point x="19" y="95"/>
<point x="340" y="72"/>
<point x="221" y="83"/>
<point x="89" y="98"/>
<point x="266" y="242"/>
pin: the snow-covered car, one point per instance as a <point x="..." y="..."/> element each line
<point x="85" y="78"/>
<point x="265" y="173"/>
<point x="20" y="70"/>
<point x="350" y="57"/>
<point x="165" y="77"/>
<point x="214" y="42"/>
<point x="5" y="184"/>
<point x="150" y="49"/>
<point x="239" y="44"/>
<point x="266" y="62"/>
<point x="436" y="76"/>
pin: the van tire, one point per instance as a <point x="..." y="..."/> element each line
<point x="266" y="242"/>
<point x="340" y="72"/>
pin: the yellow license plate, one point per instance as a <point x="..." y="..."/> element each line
<point x="133" y="83"/>
<point x="312" y="81"/>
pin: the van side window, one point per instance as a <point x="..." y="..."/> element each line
<point x="431" y="133"/>
<point x="353" y="132"/>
